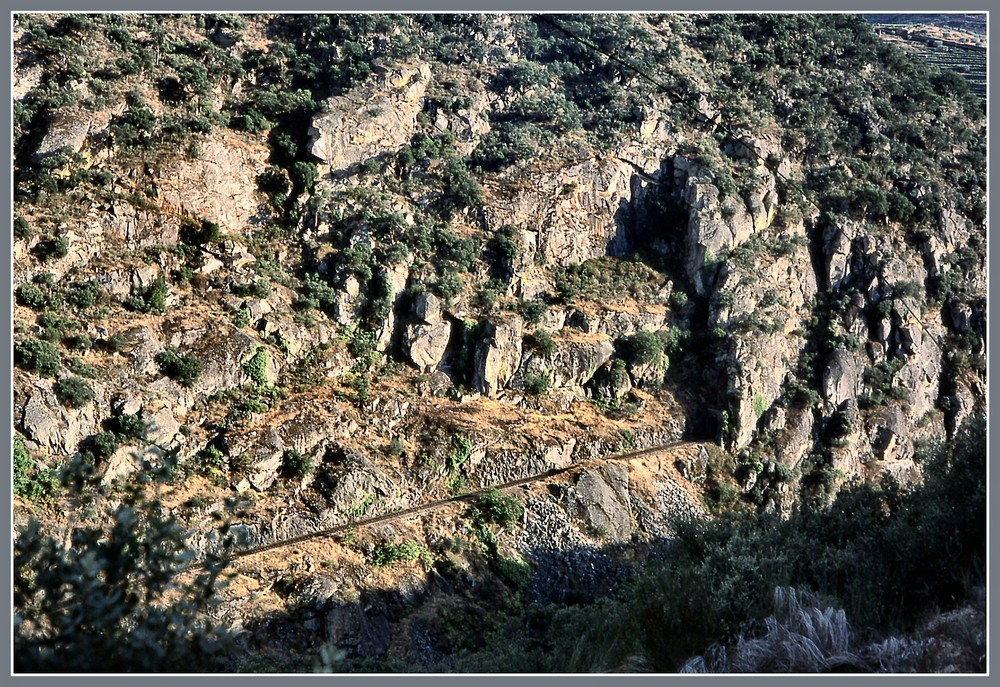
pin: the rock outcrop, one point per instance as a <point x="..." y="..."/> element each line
<point x="380" y="116"/>
<point x="498" y="355"/>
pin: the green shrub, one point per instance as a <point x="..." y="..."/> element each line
<point x="29" y="482"/>
<point x="52" y="249"/>
<point x="449" y="284"/>
<point x="54" y="325"/>
<point x="185" y="369"/>
<point x="119" y="342"/>
<point x="152" y="298"/>
<point x="208" y="462"/>
<point x="295" y="465"/>
<point x="74" y="392"/>
<point x="256" y="367"/>
<point x="532" y="310"/>
<point x="514" y="572"/>
<point x="134" y="129"/>
<point x="40" y="356"/>
<point x="30" y="295"/>
<point x="274" y="183"/>
<point x="507" y="245"/>
<point x="200" y="233"/>
<point x="495" y="507"/>
<point x="78" y="342"/>
<point x="461" y="190"/>
<point x="24" y="468"/>
<point x="609" y="277"/>
<point x="316" y="293"/>
<point x="242" y="318"/>
<point x="259" y="288"/>
<point x="644" y="348"/>
<point x="78" y="367"/>
<point x="536" y="384"/>
<point x="389" y="554"/>
<point x="127" y="426"/>
<point x="22" y="228"/>
<point x="541" y="341"/>
<point x="760" y="405"/>
<point x="101" y="445"/>
<point x="83" y="295"/>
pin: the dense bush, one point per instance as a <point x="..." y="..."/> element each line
<point x="536" y="383"/>
<point x="608" y="277"/>
<point x="256" y="367"/>
<point x="184" y="368"/>
<point x="541" y="341"/>
<point x="533" y="310"/>
<point x="29" y="481"/>
<point x="22" y="228"/>
<point x="644" y="348"/>
<point x="495" y="507"/>
<point x="111" y="598"/>
<point x="506" y="247"/>
<point x="30" y="295"/>
<point x="200" y="233"/>
<point x="150" y="299"/>
<point x="134" y="129"/>
<point x="259" y="288"/>
<point x="41" y="356"/>
<point x="52" y="249"/>
<point x="83" y="295"/>
<point x="295" y="465"/>
<point x="390" y="554"/>
<point x="74" y="392"/>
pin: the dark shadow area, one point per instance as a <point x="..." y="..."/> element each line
<point x="903" y="564"/>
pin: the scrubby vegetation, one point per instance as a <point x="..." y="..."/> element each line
<point x="520" y="279"/>
<point x="883" y="554"/>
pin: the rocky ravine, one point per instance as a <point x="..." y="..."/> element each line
<point x="367" y="342"/>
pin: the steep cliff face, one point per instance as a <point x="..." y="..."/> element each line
<point x="341" y="267"/>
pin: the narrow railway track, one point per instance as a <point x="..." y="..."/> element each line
<point x="434" y="505"/>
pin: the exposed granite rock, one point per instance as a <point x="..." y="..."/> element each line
<point x="842" y="377"/>
<point x="572" y="363"/>
<point x="378" y="116"/>
<point x="602" y="496"/>
<point x="498" y="355"/>
<point x="426" y="343"/>
<point x="219" y="185"/>
<point x="68" y="129"/>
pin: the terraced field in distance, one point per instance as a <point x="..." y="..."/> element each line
<point x="958" y="47"/>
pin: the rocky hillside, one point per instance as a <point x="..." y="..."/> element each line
<point x="335" y="266"/>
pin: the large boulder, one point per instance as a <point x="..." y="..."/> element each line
<point x="220" y="184"/>
<point x="572" y="363"/>
<point x="842" y="377"/>
<point x="498" y="355"/>
<point x="67" y="132"/>
<point x="603" y="501"/>
<point x="394" y="282"/>
<point x="378" y="116"/>
<point x="426" y="343"/>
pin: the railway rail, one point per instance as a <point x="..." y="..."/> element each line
<point x="440" y="503"/>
